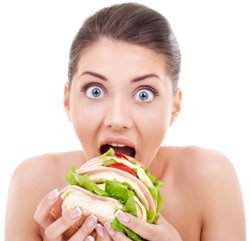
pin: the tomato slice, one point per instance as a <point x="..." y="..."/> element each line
<point x="123" y="167"/>
<point x="119" y="155"/>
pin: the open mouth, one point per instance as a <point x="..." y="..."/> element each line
<point x="125" y="150"/>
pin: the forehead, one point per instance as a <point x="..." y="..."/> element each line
<point x="112" y="56"/>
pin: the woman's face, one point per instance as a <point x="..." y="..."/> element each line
<point x="121" y="95"/>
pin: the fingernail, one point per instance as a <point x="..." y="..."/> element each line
<point x="100" y="230"/>
<point x="91" y="221"/>
<point x="110" y="231"/>
<point x="89" y="238"/>
<point x="75" y="213"/>
<point x="123" y="217"/>
<point x="53" y="195"/>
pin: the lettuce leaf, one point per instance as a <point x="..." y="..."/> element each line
<point x="113" y="188"/>
<point x="150" y="216"/>
<point x="83" y="181"/>
<point x="121" y="192"/>
<point x="110" y="152"/>
<point x="155" y="191"/>
<point x="157" y="216"/>
<point x="160" y="203"/>
<point x="157" y="185"/>
<point x="109" y="162"/>
<point x="116" y="225"/>
<point x="133" y="161"/>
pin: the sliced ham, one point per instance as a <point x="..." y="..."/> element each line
<point x="140" y="172"/>
<point x="110" y="173"/>
<point x="93" y="162"/>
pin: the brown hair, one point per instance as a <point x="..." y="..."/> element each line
<point x="131" y="23"/>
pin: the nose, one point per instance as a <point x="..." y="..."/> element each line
<point x="118" y="116"/>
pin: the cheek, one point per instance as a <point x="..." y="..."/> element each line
<point x="86" y="120"/>
<point x="156" y="126"/>
<point x="153" y="123"/>
<point x="152" y="126"/>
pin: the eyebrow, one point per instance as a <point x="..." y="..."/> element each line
<point x="140" y="78"/>
<point x="137" y="79"/>
<point x="94" y="74"/>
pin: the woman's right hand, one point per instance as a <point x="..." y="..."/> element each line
<point x="53" y="229"/>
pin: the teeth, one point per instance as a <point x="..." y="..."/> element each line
<point x="117" y="145"/>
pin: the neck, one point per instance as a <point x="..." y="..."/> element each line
<point x="160" y="165"/>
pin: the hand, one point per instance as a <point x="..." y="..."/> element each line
<point x="54" y="229"/>
<point x="163" y="230"/>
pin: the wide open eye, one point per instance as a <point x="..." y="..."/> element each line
<point x="145" y="95"/>
<point x="94" y="92"/>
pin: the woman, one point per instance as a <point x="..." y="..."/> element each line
<point x="123" y="89"/>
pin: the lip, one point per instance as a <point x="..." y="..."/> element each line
<point x="118" y="140"/>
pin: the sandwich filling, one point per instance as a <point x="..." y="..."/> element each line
<point x="111" y="182"/>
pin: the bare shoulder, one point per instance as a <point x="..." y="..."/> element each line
<point x="197" y="162"/>
<point x="48" y="169"/>
<point x="209" y="178"/>
<point x="207" y="170"/>
<point x="30" y="182"/>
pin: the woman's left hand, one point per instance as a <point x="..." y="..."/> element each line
<point x="163" y="230"/>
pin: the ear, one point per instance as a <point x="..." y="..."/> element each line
<point x="66" y="101"/>
<point x="176" y="106"/>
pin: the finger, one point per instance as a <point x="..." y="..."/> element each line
<point x="58" y="227"/>
<point x="89" y="238"/>
<point x="116" y="236"/>
<point x="163" y="224"/>
<point x="86" y="229"/>
<point x="140" y="227"/>
<point x="162" y="220"/>
<point x="102" y="233"/>
<point x="42" y="213"/>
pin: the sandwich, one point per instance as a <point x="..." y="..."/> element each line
<point x="106" y="184"/>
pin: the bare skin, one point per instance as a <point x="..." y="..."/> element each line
<point x="201" y="192"/>
<point x="133" y="102"/>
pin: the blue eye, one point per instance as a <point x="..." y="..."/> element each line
<point x="145" y="95"/>
<point x="94" y="92"/>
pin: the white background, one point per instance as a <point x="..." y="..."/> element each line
<point x="35" y="38"/>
